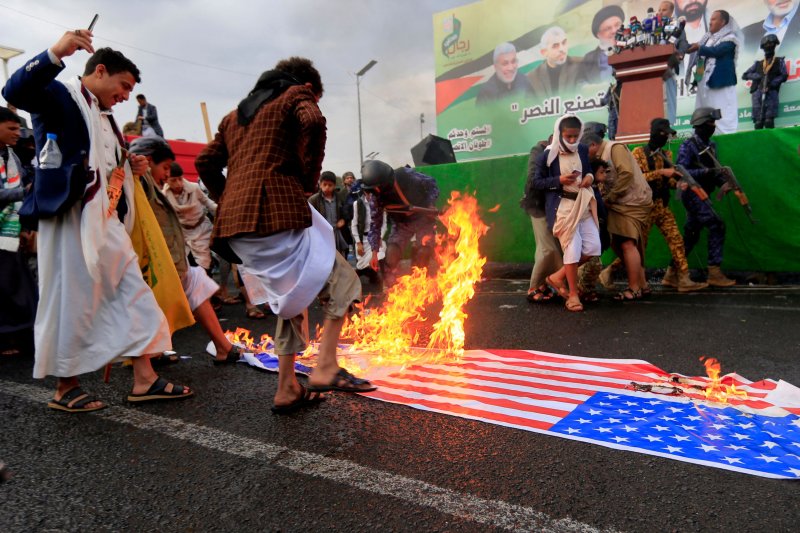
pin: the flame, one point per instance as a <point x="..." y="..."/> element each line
<point x="717" y="391"/>
<point x="242" y="337"/>
<point x="390" y="332"/>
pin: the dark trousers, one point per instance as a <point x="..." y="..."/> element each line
<point x="698" y="216"/>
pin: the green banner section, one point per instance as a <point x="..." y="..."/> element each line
<point x="765" y="162"/>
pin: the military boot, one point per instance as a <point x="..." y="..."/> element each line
<point x="717" y="279"/>
<point x="670" y="278"/>
<point x="606" y="278"/>
<point x="685" y="283"/>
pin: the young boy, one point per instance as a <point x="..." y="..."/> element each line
<point x="190" y="204"/>
<point x="330" y="206"/>
<point x="590" y="271"/>
<point x="197" y="286"/>
<point x="359" y="227"/>
<point x="564" y="173"/>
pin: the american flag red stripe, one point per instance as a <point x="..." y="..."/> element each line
<point x="509" y="386"/>
<point x="592" y="400"/>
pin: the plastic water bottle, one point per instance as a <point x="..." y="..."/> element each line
<point x="50" y="156"/>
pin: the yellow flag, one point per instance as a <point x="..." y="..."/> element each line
<point x="158" y="270"/>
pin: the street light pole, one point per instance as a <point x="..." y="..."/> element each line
<point x="6" y="53"/>
<point x="358" y="93"/>
<point x="421" y="122"/>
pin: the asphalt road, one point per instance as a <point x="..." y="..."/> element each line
<point x="223" y="462"/>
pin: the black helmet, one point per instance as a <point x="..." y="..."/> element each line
<point x="702" y="115"/>
<point x="148" y="145"/>
<point x="769" y="38"/>
<point x="375" y="174"/>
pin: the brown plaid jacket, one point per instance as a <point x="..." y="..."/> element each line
<point x="272" y="164"/>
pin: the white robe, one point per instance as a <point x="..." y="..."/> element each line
<point x="287" y="270"/>
<point x="94" y="305"/>
<point x="190" y="206"/>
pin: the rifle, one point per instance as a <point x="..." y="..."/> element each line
<point x="411" y="209"/>
<point x="695" y="187"/>
<point x="733" y="183"/>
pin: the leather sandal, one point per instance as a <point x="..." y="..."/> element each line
<point x="574" y="304"/>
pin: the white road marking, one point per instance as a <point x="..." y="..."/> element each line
<point x="493" y="513"/>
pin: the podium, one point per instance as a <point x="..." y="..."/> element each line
<point x="641" y="71"/>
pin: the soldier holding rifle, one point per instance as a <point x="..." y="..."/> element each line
<point x="696" y="155"/>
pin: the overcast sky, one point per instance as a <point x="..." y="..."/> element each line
<point x="192" y="51"/>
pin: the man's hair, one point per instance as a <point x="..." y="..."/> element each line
<point x="6" y="115"/>
<point x="725" y="15"/>
<point x="303" y="70"/>
<point x="503" y="48"/>
<point x="569" y="122"/>
<point x="175" y="170"/>
<point x="550" y="35"/>
<point x="327" y="176"/>
<point x="114" y="62"/>
<point x="141" y="97"/>
<point x="162" y="153"/>
<point x="590" y="137"/>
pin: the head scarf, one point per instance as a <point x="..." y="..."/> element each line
<point x="729" y="32"/>
<point x="558" y="144"/>
<point x="269" y="86"/>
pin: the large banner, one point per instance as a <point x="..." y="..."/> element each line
<point x="505" y="69"/>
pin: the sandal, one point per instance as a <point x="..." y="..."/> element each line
<point x="158" y="391"/>
<point x="256" y="313"/>
<point x="574" y="304"/>
<point x="628" y="295"/>
<point x="646" y="291"/>
<point x="165" y="359"/>
<point x="344" y="381"/>
<point x="74" y="400"/>
<point x="233" y="300"/>
<point x="540" y="294"/>
<point x="232" y="357"/>
<point x="306" y="398"/>
<point x="561" y="289"/>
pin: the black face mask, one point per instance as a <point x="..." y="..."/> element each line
<point x="705" y="131"/>
<point x="658" y="138"/>
<point x="769" y="49"/>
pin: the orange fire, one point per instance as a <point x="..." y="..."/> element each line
<point x="243" y="337"/>
<point x="390" y="332"/>
<point x="717" y="391"/>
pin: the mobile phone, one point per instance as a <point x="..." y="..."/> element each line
<point x="576" y="172"/>
<point x="94" y="21"/>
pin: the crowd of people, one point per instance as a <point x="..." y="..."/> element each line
<point x="585" y="194"/>
<point x="126" y="245"/>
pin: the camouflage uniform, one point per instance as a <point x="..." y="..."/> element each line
<point x="661" y="215"/>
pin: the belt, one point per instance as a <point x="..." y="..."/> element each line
<point x="569" y="195"/>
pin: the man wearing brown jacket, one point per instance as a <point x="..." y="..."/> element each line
<point x="273" y="145"/>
